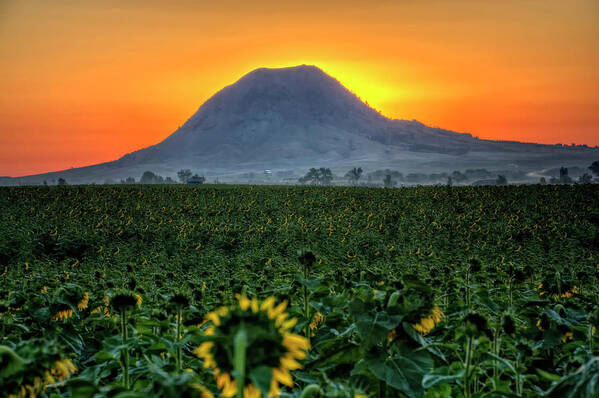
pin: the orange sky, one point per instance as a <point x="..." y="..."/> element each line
<point x="83" y="82"/>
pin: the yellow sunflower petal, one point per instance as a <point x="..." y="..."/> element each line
<point x="227" y="385"/>
<point x="244" y="302"/>
<point x="418" y="328"/>
<point x="212" y="316"/>
<point x="298" y="354"/>
<point x="250" y="391"/>
<point x="428" y="323"/>
<point x="289" y="324"/>
<point x="254" y="305"/>
<point x="290" y="363"/>
<point x="222" y="311"/>
<point x="275" y="390"/>
<point x="283" y="376"/>
<point x="204" y="349"/>
<point x="295" y="341"/>
<point x="276" y="311"/>
<point x="209" y="331"/>
<point x="268" y="304"/>
<point x="281" y="318"/>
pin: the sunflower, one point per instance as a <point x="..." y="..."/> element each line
<point x="125" y="300"/>
<point x="568" y="336"/>
<point x="103" y="308"/>
<point x="60" y="370"/>
<point x="316" y="321"/>
<point x="428" y="322"/>
<point x="204" y="392"/>
<point x="569" y="293"/>
<point x="270" y="343"/>
<point x="550" y="287"/>
<point x="63" y="314"/>
<point x="63" y="369"/>
<point x="83" y="303"/>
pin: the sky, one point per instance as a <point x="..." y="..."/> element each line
<point x="84" y="82"/>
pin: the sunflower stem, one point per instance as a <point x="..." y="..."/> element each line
<point x="240" y="343"/>
<point x="496" y="351"/>
<point x="306" y="306"/>
<point x="511" y="294"/>
<point x="467" y="372"/>
<point x="591" y="339"/>
<point x="518" y="388"/>
<point x="125" y="352"/>
<point x="177" y="336"/>
<point x="467" y="287"/>
<point x="382" y="389"/>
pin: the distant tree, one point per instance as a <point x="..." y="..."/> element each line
<point x="501" y="180"/>
<point x="388" y="181"/>
<point x="184" y="175"/>
<point x="326" y="176"/>
<point x="542" y="181"/>
<point x="321" y="176"/>
<point x="595" y="167"/>
<point x="45" y="183"/>
<point x="564" y="178"/>
<point x="380" y="175"/>
<point x="310" y="177"/>
<point x="130" y="180"/>
<point x="354" y="175"/>
<point x="586" y="178"/>
<point x="149" y="177"/>
<point x="449" y="181"/>
<point x="169" y="180"/>
<point x="62" y="181"/>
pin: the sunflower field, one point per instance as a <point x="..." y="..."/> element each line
<point x="262" y="291"/>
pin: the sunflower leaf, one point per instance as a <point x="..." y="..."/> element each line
<point x="261" y="376"/>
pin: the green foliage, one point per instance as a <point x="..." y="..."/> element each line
<point x="118" y="280"/>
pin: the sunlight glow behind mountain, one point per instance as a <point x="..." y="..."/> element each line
<point x="84" y="82"/>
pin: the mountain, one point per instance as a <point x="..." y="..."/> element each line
<point x="300" y="117"/>
<point x="288" y="116"/>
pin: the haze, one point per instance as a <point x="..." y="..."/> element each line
<point x="86" y="82"/>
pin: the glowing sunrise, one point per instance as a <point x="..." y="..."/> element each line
<point x="86" y="82"/>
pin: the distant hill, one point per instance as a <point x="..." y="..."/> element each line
<point x="300" y="117"/>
